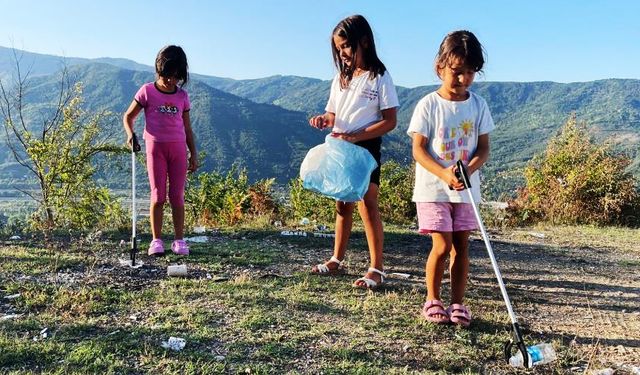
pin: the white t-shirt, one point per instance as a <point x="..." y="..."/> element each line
<point x="360" y="104"/>
<point x="452" y="129"/>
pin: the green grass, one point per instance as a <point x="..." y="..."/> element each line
<point x="235" y="315"/>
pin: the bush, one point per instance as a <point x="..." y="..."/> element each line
<point x="396" y="190"/>
<point x="576" y="181"/>
<point x="94" y="208"/>
<point x="215" y="199"/>
<point x="306" y="203"/>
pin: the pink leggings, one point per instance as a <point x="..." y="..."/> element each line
<point x="167" y="159"/>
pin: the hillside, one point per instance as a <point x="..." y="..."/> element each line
<point x="229" y="129"/>
<point x="527" y="114"/>
<point x="244" y="121"/>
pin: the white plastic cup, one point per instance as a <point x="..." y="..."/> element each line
<point x="177" y="270"/>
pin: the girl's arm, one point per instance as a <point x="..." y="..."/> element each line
<point x="378" y="129"/>
<point x="423" y="158"/>
<point x="128" y="119"/>
<point x="191" y="145"/>
<point x="481" y="155"/>
<point x="323" y="121"/>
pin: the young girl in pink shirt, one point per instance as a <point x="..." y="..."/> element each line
<point x="167" y="135"/>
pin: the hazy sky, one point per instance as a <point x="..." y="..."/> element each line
<point x="541" y="40"/>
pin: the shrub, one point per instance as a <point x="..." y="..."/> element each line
<point x="227" y="199"/>
<point x="93" y="208"/>
<point x="576" y="181"/>
<point x="305" y="203"/>
<point x="396" y="190"/>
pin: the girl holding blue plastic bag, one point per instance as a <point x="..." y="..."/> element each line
<point x="361" y="109"/>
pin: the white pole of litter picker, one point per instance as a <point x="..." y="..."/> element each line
<point x="485" y="237"/>
<point x="135" y="147"/>
<point x="461" y="174"/>
<point x="133" y="194"/>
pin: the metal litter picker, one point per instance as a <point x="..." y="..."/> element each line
<point x="517" y="340"/>
<point x="135" y="147"/>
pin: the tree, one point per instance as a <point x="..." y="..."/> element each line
<point x="56" y="145"/>
<point x="577" y="180"/>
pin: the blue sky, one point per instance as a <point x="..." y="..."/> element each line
<point x="542" y="40"/>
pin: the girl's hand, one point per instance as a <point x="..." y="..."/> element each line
<point x="319" y="122"/>
<point x="193" y="164"/>
<point x="448" y="175"/>
<point x="345" y="137"/>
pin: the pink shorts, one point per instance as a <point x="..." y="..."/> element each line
<point x="445" y="217"/>
<point x="167" y="160"/>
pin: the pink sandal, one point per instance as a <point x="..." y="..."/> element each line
<point x="180" y="247"/>
<point x="432" y="308"/>
<point x="156" y="247"/>
<point x="459" y="314"/>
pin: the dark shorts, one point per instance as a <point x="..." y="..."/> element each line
<point x="373" y="146"/>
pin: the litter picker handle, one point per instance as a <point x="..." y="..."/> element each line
<point x="135" y="145"/>
<point x="462" y="175"/>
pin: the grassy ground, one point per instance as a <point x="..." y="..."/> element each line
<point x="249" y="305"/>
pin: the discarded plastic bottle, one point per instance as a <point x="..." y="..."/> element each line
<point x="538" y="355"/>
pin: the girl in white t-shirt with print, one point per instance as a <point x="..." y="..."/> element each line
<point x="447" y="125"/>
<point x="361" y="109"/>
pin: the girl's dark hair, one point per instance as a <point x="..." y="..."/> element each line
<point x="172" y="62"/>
<point x="357" y="32"/>
<point x="463" y="45"/>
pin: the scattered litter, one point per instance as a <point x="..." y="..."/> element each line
<point x="123" y="243"/>
<point x="304" y="221"/>
<point x="208" y="276"/>
<point x="43" y="334"/>
<point x="13" y="296"/>
<point x="199" y="230"/>
<point x="537" y="235"/>
<point x="277" y="224"/>
<point x="127" y="263"/>
<point x="14" y="237"/>
<point x="406" y="348"/>
<point x="218" y="279"/>
<point x="400" y="275"/>
<point x="133" y="317"/>
<point x="174" y="343"/>
<point x="300" y="233"/>
<point x="219" y="358"/>
<point x="316" y="234"/>
<point x="197" y="239"/>
<point x="113" y="333"/>
<point x="177" y="270"/>
<point x="9" y="316"/>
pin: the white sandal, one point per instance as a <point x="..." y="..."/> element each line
<point x="370" y="283"/>
<point x="322" y="269"/>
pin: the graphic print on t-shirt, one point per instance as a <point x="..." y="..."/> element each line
<point x="369" y="94"/>
<point x="454" y="141"/>
<point x="167" y="108"/>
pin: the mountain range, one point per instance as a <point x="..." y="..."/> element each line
<point x="262" y="123"/>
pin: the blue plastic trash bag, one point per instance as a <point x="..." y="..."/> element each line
<point x="338" y="169"/>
